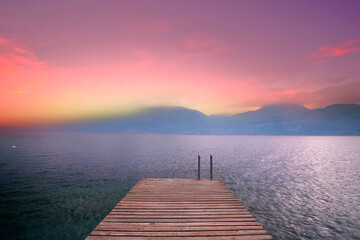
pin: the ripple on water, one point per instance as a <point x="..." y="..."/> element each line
<point x="61" y="187"/>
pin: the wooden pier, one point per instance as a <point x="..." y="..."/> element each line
<point x="179" y="209"/>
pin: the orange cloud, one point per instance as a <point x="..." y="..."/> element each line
<point x="33" y="92"/>
<point x="342" y="49"/>
<point x="18" y="91"/>
<point x="20" y="69"/>
<point x="350" y="42"/>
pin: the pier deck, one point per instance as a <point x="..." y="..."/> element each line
<point x="179" y="209"/>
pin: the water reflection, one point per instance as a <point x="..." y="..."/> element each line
<point x="61" y="186"/>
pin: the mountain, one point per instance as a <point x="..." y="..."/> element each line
<point x="280" y="119"/>
<point x="292" y="119"/>
<point x="274" y="111"/>
<point x="273" y="119"/>
<point x="337" y="119"/>
<point x="152" y="120"/>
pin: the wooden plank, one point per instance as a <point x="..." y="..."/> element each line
<point x="177" y="203"/>
<point x="180" y="206"/>
<point x="181" y="224"/>
<point x="178" y="234"/>
<point x="181" y="220"/>
<point x="248" y="237"/>
<point x="179" y="209"/>
<point x="173" y="216"/>
<point x="123" y="227"/>
<point x="183" y="215"/>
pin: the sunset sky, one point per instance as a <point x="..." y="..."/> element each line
<point x="67" y="60"/>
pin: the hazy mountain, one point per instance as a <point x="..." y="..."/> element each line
<point x="337" y="119"/>
<point x="274" y="111"/>
<point x="280" y="119"/>
<point x="291" y="119"/>
<point x="151" y="120"/>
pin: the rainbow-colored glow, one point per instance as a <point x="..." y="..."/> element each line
<point x="65" y="60"/>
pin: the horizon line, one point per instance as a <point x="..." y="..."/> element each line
<point x="141" y="110"/>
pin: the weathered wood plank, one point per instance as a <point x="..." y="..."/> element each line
<point x="115" y="216"/>
<point x="248" y="237"/>
<point x="178" y="234"/>
<point x="179" y="209"/>
<point x="177" y="206"/>
<point x="181" y="220"/>
<point x="123" y="227"/>
<point x="182" y="224"/>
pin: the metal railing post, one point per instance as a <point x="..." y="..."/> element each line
<point x="211" y="167"/>
<point x="198" y="167"/>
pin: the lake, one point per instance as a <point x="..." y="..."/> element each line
<point x="61" y="186"/>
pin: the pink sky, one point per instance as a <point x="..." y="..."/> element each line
<point x="65" y="60"/>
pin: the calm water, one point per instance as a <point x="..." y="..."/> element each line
<point x="61" y="186"/>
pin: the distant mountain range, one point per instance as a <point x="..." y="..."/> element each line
<point x="281" y="119"/>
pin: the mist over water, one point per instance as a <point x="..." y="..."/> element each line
<point x="62" y="186"/>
